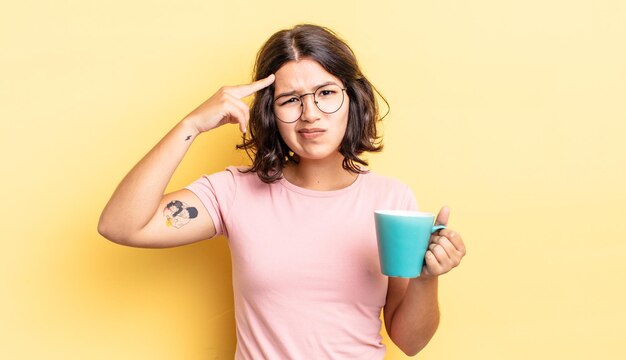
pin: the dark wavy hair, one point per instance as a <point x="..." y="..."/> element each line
<point x="269" y="151"/>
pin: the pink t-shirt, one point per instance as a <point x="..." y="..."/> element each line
<point x="306" y="276"/>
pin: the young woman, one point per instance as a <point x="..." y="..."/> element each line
<point x="299" y="221"/>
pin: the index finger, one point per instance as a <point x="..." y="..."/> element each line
<point x="241" y="91"/>
<point x="454" y="238"/>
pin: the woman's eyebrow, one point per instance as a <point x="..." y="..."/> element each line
<point x="293" y="92"/>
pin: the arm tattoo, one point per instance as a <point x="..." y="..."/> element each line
<point x="188" y="137"/>
<point x="178" y="214"/>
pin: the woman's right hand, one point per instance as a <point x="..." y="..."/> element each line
<point x="226" y="106"/>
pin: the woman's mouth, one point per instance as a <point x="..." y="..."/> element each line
<point x="311" y="133"/>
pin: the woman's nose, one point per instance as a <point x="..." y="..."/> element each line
<point x="310" y="111"/>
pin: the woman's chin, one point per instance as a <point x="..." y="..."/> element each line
<point x="319" y="156"/>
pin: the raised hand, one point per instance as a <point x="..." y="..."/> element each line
<point x="226" y="106"/>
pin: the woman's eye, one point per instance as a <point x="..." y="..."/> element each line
<point x="289" y="101"/>
<point x="326" y="92"/>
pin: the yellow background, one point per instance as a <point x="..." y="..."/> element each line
<point x="510" y="112"/>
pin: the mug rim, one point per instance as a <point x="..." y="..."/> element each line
<point x="409" y="213"/>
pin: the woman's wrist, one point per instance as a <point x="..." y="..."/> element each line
<point x="189" y="126"/>
<point x="425" y="282"/>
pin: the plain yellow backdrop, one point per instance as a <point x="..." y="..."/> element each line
<point x="512" y="113"/>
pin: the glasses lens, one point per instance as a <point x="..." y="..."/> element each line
<point x="329" y="98"/>
<point x="287" y="108"/>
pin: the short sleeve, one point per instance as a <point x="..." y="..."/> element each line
<point x="217" y="193"/>
<point x="409" y="202"/>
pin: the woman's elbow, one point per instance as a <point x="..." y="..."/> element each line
<point x="412" y="352"/>
<point x="411" y="346"/>
<point x="110" y="233"/>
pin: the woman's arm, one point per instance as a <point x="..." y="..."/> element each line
<point x="137" y="197"/>
<point x="134" y="214"/>
<point x="412" y="310"/>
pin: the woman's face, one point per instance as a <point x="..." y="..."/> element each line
<point x="315" y="135"/>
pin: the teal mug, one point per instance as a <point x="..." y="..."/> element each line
<point x="403" y="238"/>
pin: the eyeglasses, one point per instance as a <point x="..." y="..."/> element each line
<point x="328" y="99"/>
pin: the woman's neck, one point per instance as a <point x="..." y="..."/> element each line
<point x="323" y="175"/>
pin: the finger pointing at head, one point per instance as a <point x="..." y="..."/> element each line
<point x="242" y="91"/>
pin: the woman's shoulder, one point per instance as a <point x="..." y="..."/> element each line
<point x="239" y="170"/>
<point x="229" y="175"/>
<point x="389" y="191"/>
<point x="244" y="177"/>
<point x="372" y="178"/>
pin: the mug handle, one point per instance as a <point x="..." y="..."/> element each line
<point x="437" y="227"/>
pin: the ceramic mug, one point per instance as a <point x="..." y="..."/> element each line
<point x="403" y="238"/>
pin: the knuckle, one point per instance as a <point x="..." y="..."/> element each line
<point x="223" y="99"/>
<point x="227" y="95"/>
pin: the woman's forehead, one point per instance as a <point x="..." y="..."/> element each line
<point x="302" y="76"/>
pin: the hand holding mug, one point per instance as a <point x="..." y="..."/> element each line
<point x="410" y="246"/>
<point x="445" y="248"/>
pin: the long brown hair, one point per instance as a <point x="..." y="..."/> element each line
<point x="269" y="151"/>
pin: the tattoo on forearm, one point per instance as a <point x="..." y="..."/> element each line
<point x="178" y="214"/>
<point x="188" y="137"/>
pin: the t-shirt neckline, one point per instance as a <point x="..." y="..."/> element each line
<point x="321" y="193"/>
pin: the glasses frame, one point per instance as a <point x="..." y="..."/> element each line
<point x="343" y="99"/>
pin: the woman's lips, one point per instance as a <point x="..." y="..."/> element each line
<point x="311" y="133"/>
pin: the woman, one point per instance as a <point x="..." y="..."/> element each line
<point x="299" y="221"/>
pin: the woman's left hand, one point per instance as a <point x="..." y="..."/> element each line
<point x="445" y="250"/>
